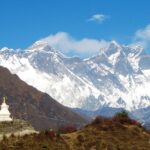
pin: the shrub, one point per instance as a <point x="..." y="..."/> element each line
<point x="12" y="135"/>
<point x="39" y="137"/>
<point x="120" y="119"/>
<point x="19" y="144"/>
<point x="122" y="114"/>
<point x="99" y="120"/>
<point x="123" y="118"/>
<point x="50" y="134"/>
<point x="5" y="138"/>
<point x="80" y="138"/>
<point x="67" y="129"/>
<point x="44" y="146"/>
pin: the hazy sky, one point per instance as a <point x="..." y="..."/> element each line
<point x="80" y="24"/>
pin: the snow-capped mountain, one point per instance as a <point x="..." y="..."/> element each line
<point x="118" y="77"/>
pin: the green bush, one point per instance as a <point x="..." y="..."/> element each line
<point x="122" y="114"/>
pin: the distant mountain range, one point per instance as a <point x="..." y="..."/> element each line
<point x="118" y="77"/>
<point x="38" y="108"/>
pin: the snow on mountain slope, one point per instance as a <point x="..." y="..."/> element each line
<point x="118" y="76"/>
<point x="43" y="69"/>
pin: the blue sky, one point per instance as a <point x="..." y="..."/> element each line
<point x="23" y="22"/>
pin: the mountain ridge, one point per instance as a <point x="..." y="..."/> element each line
<point x="117" y="77"/>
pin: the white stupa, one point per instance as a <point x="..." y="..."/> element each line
<point x="4" y="112"/>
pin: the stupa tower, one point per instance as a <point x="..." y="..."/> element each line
<point x="4" y="112"/>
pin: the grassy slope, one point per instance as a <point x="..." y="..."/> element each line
<point x="103" y="134"/>
<point x="109" y="138"/>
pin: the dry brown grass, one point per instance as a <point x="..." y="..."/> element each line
<point x="101" y="134"/>
<point x="118" y="133"/>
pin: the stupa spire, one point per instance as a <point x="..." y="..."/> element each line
<point x="4" y="99"/>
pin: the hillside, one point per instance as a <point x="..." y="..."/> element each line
<point x="38" y="108"/>
<point x="15" y="127"/>
<point x="118" y="133"/>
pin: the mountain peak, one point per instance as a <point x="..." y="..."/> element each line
<point x="4" y="49"/>
<point x="40" y="46"/>
<point x="114" y="44"/>
<point x="113" y="48"/>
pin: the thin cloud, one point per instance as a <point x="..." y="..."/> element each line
<point x="98" y="18"/>
<point x="67" y="44"/>
<point x="142" y="36"/>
